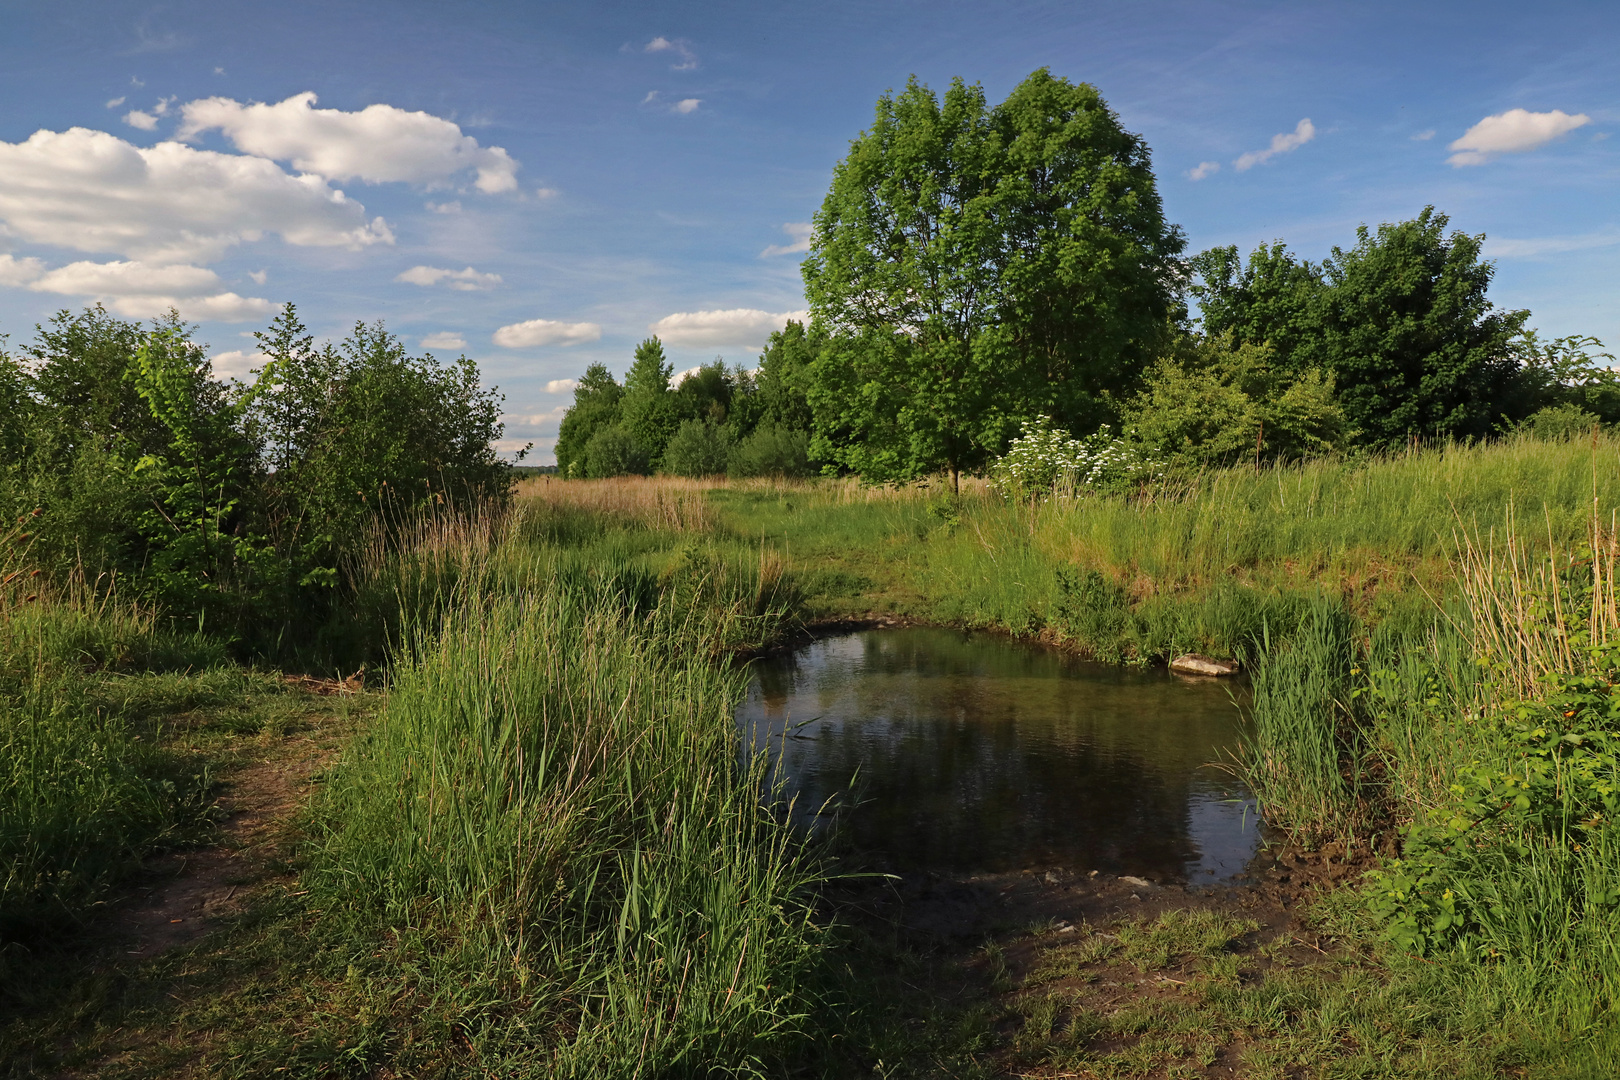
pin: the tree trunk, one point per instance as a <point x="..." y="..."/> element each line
<point x="956" y="480"/>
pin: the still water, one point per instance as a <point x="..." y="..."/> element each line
<point x="961" y="752"/>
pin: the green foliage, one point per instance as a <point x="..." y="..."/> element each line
<point x="234" y="504"/>
<point x="597" y="399"/>
<point x="975" y="266"/>
<point x="1569" y="373"/>
<point x="698" y="448"/>
<point x="1555" y="422"/>
<point x="1210" y="403"/>
<point x="1545" y="795"/>
<point x="1401" y="321"/>
<point x="650" y="411"/>
<point x="782" y="383"/>
<point x="772" y="450"/>
<point x="615" y="451"/>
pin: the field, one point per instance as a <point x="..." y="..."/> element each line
<point x="523" y="843"/>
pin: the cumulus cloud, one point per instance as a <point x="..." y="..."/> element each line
<point x="1424" y="136"/>
<point x="258" y="276"/>
<point x="1203" y="169"/>
<point x="138" y="290"/>
<point x="561" y="386"/>
<point x="736" y="326"/>
<point x="546" y="193"/>
<point x="800" y="232"/>
<point x="1512" y="132"/>
<point x="686" y="106"/>
<point x="236" y="364"/>
<point x="466" y="280"/>
<point x="1287" y="142"/>
<point x="92" y="191"/>
<point x="452" y="207"/>
<point x="445" y="339"/>
<point x="15" y="271"/>
<point x="115" y="102"/>
<point x="537" y="332"/>
<point x="135" y="118"/>
<point x="685" y="58"/>
<point x="376" y="144"/>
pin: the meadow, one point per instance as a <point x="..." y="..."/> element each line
<point x="535" y="851"/>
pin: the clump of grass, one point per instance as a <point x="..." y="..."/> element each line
<point x="551" y="820"/>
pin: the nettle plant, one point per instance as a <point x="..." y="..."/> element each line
<point x="1045" y="459"/>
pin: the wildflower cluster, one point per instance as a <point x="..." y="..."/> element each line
<point x="1044" y="459"/>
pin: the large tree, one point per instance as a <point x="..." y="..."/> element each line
<point x="975" y="267"/>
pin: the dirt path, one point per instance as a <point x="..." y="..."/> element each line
<point x="185" y="894"/>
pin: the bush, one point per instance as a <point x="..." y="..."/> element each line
<point x="615" y="451"/>
<point x="1559" y="422"/>
<point x="772" y="451"/>
<point x="1044" y="458"/>
<point x="698" y="448"/>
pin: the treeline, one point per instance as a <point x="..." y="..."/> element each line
<point x="976" y="270"/>
<point x="236" y="506"/>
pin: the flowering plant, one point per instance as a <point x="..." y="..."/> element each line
<point x="1044" y="459"/>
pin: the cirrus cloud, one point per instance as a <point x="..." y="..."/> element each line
<point x="800" y="232"/>
<point x="92" y="191"/>
<point x="1512" y="132"/>
<point x="537" y="332"/>
<point x="376" y="144"/>
<point x="734" y="326"/>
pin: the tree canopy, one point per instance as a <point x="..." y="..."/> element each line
<point x="975" y="266"/>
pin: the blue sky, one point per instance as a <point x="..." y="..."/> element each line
<point x="539" y="186"/>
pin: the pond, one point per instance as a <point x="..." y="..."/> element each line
<point x="962" y="752"/>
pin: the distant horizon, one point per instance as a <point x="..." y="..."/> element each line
<point x="542" y="186"/>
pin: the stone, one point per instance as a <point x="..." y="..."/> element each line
<point x="1194" y="664"/>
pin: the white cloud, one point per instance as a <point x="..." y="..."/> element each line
<point x="17" y="272"/>
<point x="737" y="326"/>
<point x="377" y="144"/>
<point x="137" y="119"/>
<point x="1303" y="132"/>
<point x="1537" y="247"/>
<point x="800" y="232"/>
<point x="652" y="96"/>
<point x="139" y="290"/>
<point x="561" y="386"/>
<point x="445" y="339"/>
<point x="537" y="332"/>
<point x="546" y="193"/>
<point x="115" y="102"/>
<point x="534" y="423"/>
<point x="127" y="279"/>
<point x="1203" y="169"/>
<point x="1424" y="136"/>
<point x="686" y="106"/>
<point x="258" y="276"/>
<point x="685" y="58"/>
<point x="466" y="280"/>
<point x="237" y="364"/>
<point x="92" y="191"/>
<point x="452" y="207"/>
<point x="1512" y="132"/>
<point x="679" y="377"/>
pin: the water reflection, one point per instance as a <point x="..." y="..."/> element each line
<point x="969" y="752"/>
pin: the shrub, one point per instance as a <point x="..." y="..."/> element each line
<point x="772" y="450"/>
<point x="1044" y="458"/>
<point x="698" y="448"/>
<point x="614" y="451"/>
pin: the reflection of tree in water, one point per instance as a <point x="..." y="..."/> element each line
<point x="978" y="753"/>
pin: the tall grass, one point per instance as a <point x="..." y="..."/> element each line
<point x="549" y="821"/>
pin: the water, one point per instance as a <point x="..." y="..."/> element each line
<point x="964" y="752"/>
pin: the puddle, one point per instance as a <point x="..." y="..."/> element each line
<point x="960" y="752"/>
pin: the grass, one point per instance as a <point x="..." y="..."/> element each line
<point x="542" y="855"/>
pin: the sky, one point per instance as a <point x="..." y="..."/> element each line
<point x="541" y="186"/>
